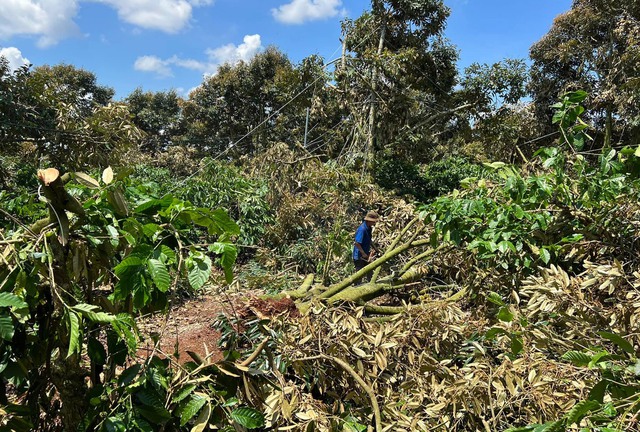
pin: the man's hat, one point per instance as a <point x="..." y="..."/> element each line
<point x="372" y="216"/>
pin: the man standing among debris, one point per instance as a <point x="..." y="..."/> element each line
<point x="363" y="252"/>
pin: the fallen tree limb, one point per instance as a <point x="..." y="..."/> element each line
<point x="301" y="291"/>
<point x="336" y="288"/>
<point x="256" y="353"/>
<point x="366" y="387"/>
<point x="394" y="244"/>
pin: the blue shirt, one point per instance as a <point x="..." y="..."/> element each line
<point x="363" y="236"/>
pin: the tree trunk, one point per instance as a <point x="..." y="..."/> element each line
<point x="370" y="151"/>
<point x="67" y="373"/>
<point x="608" y="131"/>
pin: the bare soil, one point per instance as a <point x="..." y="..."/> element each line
<point x="188" y="326"/>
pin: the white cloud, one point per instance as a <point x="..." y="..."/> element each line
<point x="230" y="53"/>
<point x="170" y="16"/>
<point x="51" y="20"/>
<point x="153" y="64"/>
<point x="300" y="11"/>
<point x="14" y="56"/>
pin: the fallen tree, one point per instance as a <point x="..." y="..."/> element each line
<point x="412" y="271"/>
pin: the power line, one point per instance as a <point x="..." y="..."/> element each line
<point x="250" y="132"/>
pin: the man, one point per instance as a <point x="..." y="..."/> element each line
<point x="363" y="252"/>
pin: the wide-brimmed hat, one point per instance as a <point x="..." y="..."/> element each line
<point x="372" y="216"/>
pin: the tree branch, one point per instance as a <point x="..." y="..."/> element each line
<point x="366" y="387"/>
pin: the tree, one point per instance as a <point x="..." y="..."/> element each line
<point x="64" y="115"/>
<point x="595" y="47"/>
<point x="158" y="115"/>
<point x="497" y="118"/>
<point x="61" y="337"/>
<point x="18" y="116"/>
<point x="238" y="100"/>
<point x="399" y="72"/>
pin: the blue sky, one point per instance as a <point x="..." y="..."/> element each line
<point x="164" y="44"/>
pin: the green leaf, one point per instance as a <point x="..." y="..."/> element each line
<point x="504" y="314"/>
<point x="129" y="374"/>
<point x="96" y="351"/>
<point x="115" y="424"/>
<point x="229" y="254"/>
<point x="545" y="256"/>
<point x="153" y="205"/>
<point x="122" y="326"/>
<point x="150" y="398"/>
<point x="199" y="272"/>
<point x="598" y="390"/>
<point x="495" y="298"/>
<point x="248" y="417"/>
<point x="578" y="358"/>
<point x="572" y="238"/>
<point x="579" y="410"/>
<point x="113" y="233"/>
<point x="129" y="264"/>
<point x="529" y="428"/>
<point x="191" y="408"/>
<point x="90" y="311"/>
<point x="151" y="229"/>
<point x="556" y="426"/>
<point x="74" y="333"/>
<point x="576" y="96"/>
<point x="11" y="300"/>
<point x="516" y="345"/>
<point x="183" y="393"/>
<point x="494" y="165"/>
<point x="159" y="274"/>
<point x="155" y="414"/>
<point x="223" y="223"/>
<point x="493" y="332"/>
<point x="618" y="340"/>
<point x="637" y="153"/>
<point x="6" y="327"/>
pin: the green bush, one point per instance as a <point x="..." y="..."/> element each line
<point x="426" y="183"/>
<point x="445" y="175"/>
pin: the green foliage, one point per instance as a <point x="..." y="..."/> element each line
<point x="437" y="178"/>
<point x="248" y="417"/>
<point x="593" y="47"/>
<point x="139" y="246"/>
<point x="443" y="176"/>
<point x="567" y="117"/>
<point x="504" y="219"/>
<point x="618" y="383"/>
<point x="155" y="395"/>
<point x="219" y="185"/>
<point x="398" y="43"/>
<point x="61" y="114"/>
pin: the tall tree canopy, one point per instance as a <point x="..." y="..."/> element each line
<point x="159" y="115"/>
<point x="237" y="100"/>
<point x="63" y="115"/>
<point x="401" y="67"/>
<point x="595" y="47"/>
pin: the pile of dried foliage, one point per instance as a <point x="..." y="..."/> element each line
<point x="542" y="335"/>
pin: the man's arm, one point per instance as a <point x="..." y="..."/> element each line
<point x="359" y="247"/>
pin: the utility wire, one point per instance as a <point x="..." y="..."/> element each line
<point x="250" y="132"/>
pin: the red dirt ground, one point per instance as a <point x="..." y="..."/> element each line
<point x="189" y="326"/>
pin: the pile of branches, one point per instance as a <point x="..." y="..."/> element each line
<point x="537" y="328"/>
